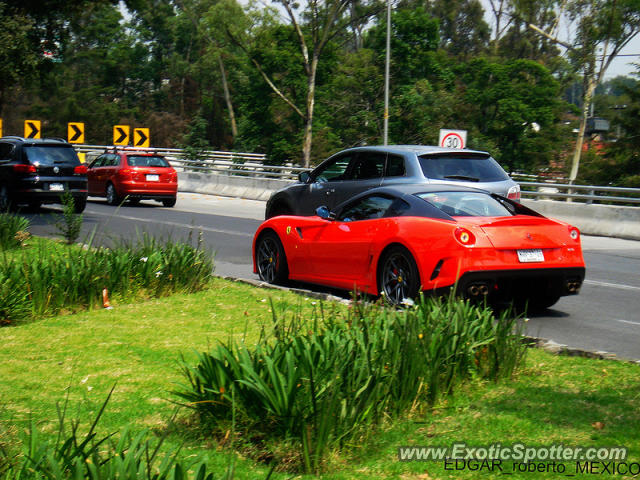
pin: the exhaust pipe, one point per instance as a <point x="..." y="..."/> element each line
<point x="478" y="289"/>
<point x="573" y="287"/>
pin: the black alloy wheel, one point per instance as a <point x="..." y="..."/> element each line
<point x="112" y="196"/>
<point x="398" y="277"/>
<point x="6" y="203"/>
<point x="271" y="259"/>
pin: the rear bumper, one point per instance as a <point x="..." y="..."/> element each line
<point x="147" y="190"/>
<point x="39" y="189"/>
<point x="518" y="283"/>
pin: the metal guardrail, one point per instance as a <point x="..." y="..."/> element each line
<point x="588" y="193"/>
<point x="557" y="187"/>
<point x="252" y="165"/>
<point x="213" y="161"/>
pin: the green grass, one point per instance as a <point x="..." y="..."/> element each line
<point x="137" y="347"/>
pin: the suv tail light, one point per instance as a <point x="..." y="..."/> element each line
<point x="514" y="193"/>
<point x="22" y="168"/>
<point x="80" y="170"/>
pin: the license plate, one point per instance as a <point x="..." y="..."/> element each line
<point x="528" y="256"/>
<point x="56" y="187"/>
<point x="153" y="178"/>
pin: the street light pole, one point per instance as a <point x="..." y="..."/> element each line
<point x="386" y="76"/>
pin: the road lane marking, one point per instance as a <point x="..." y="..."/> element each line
<point x="627" y="321"/>
<point x="176" y="224"/>
<point x="612" y="285"/>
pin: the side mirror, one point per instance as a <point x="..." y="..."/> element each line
<point x="324" y="212"/>
<point x="304" y="177"/>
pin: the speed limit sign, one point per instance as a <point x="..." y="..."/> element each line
<point x="453" y="138"/>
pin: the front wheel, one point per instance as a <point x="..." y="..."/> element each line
<point x="271" y="260"/>
<point x="398" y="276"/>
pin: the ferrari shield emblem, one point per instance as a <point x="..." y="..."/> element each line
<point x="288" y="230"/>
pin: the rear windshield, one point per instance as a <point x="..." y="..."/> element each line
<point x="147" y="161"/>
<point x="51" y="155"/>
<point x="466" y="204"/>
<point x="463" y="167"/>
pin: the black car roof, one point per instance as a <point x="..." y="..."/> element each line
<point x="408" y="193"/>
<point x="36" y="141"/>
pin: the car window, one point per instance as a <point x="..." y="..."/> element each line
<point x="97" y="162"/>
<point x="463" y="167"/>
<point x="334" y="171"/>
<point x="50" y="155"/>
<point x="466" y="204"/>
<point x="6" y="149"/>
<point x="366" y="208"/>
<point x="395" y="166"/>
<point x="368" y="165"/>
<point x="147" y="161"/>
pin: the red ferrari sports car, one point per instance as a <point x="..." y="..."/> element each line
<point x="398" y="241"/>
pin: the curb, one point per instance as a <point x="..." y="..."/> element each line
<point x="545" y="344"/>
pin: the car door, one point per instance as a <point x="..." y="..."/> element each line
<point x="324" y="182"/>
<point x="364" y="172"/>
<point x="93" y="183"/>
<point x="340" y="252"/>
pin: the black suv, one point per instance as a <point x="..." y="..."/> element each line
<point x="34" y="172"/>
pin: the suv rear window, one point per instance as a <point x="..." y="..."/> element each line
<point x="470" y="168"/>
<point x="51" y="155"/>
<point x="147" y="161"/>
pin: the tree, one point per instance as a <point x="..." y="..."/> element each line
<point x="463" y="30"/>
<point x="504" y="101"/>
<point x="313" y="26"/>
<point x="18" y="55"/>
<point x="606" y="24"/>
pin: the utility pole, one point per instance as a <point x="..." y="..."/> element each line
<point x="385" y="137"/>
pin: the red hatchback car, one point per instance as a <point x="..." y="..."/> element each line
<point x="133" y="174"/>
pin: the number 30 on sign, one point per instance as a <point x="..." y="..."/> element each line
<point x="453" y="138"/>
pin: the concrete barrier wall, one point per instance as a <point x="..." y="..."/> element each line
<point x="604" y="220"/>
<point x="229" y="186"/>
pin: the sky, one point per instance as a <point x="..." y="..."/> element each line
<point x="620" y="65"/>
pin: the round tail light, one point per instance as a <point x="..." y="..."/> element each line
<point x="464" y="236"/>
<point x="574" y="233"/>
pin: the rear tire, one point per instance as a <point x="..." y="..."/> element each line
<point x="6" y="202"/>
<point x="169" y="202"/>
<point x="398" y="276"/>
<point x="271" y="260"/>
<point x="112" y="195"/>
<point x="134" y="201"/>
<point x="541" y="302"/>
<point x="79" y="204"/>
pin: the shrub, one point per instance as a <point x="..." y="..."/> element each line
<point x="74" y="455"/>
<point x="50" y="280"/>
<point x="69" y="224"/>
<point x="13" y="231"/>
<point x="322" y="381"/>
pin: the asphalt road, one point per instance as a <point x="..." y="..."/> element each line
<point x="605" y="316"/>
